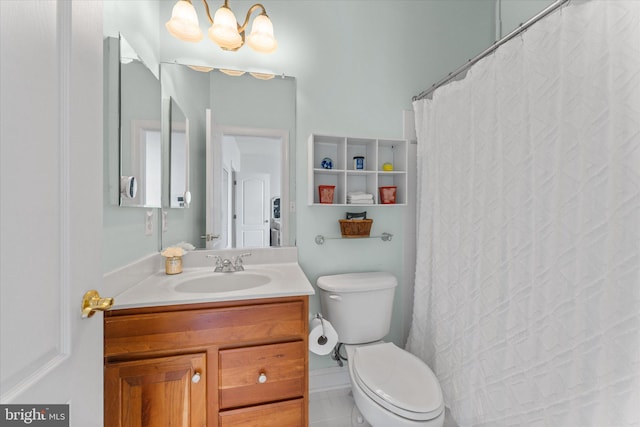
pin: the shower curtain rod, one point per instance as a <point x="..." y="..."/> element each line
<point x="521" y="28"/>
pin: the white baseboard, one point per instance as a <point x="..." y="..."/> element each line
<point x="327" y="379"/>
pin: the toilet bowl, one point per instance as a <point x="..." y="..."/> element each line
<point x="391" y="387"/>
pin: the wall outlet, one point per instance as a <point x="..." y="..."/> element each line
<point x="148" y="223"/>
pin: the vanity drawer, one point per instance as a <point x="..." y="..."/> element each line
<point x="166" y="331"/>
<point x="261" y="374"/>
<point x="281" y="414"/>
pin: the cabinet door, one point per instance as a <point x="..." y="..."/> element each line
<point x="168" y="391"/>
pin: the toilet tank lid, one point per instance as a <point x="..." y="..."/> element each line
<point x="357" y="282"/>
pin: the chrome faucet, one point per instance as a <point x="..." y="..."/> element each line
<point x="219" y="263"/>
<point x="228" y="266"/>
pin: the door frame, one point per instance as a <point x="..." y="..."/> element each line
<point x="215" y="136"/>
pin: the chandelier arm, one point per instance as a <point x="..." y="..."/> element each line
<point x="249" y="12"/>
<point x="206" y="8"/>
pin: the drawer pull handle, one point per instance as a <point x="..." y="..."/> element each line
<point x="195" y="378"/>
<point x="262" y="378"/>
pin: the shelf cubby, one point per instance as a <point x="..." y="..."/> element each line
<point x="344" y="175"/>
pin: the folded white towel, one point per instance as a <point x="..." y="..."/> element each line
<point x="359" y="196"/>
<point x="361" y="202"/>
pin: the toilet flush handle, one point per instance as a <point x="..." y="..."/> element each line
<point x="335" y="297"/>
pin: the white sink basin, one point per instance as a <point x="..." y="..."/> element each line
<point x="222" y="282"/>
<point x="269" y="273"/>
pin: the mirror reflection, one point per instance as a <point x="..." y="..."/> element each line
<point x="179" y="195"/>
<point x="240" y="130"/>
<point x="140" y="132"/>
<point x="252" y="177"/>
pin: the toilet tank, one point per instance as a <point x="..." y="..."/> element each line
<point x="358" y="305"/>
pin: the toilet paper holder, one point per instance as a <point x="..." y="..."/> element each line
<point x="322" y="335"/>
<point x="322" y="339"/>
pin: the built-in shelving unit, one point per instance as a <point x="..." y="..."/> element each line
<point x="346" y="178"/>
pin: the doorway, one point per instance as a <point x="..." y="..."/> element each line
<point x="254" y="182"/>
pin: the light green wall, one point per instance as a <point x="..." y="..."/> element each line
<point x="515" y="12"/>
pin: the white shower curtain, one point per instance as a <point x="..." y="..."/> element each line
<point x="527" y="295"/>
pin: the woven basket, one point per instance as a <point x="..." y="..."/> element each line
<point x="355" y="227"/>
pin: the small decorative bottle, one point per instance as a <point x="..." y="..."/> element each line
<point x="173" y="260"/>
<point x="173" y="265"/>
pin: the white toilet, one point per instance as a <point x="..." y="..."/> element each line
<point x="391" y="387"/>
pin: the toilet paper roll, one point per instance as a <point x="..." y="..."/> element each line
<point x="315" y="334"/>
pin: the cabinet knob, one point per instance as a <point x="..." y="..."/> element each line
<point x="262" y="378"/>
<point x="195" y="378"/>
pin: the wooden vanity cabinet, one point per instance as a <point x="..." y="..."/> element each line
<point x="240" y="363"/>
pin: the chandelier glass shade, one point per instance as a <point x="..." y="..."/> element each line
<point x="261" y="38"/>
<point x="184" y="22"/>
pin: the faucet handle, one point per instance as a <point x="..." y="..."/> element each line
<point x="237" y="261"/>
<point x="218" y="260"/>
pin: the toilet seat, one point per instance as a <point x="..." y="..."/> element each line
<point x="398" y="381"/>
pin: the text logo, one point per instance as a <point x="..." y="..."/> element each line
<point x="34" y="415"/>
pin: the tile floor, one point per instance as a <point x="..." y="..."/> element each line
<point x="336" y="409"/>
<point x="333" y="409"/>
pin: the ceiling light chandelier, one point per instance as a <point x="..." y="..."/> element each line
<point x="224" y="30"/>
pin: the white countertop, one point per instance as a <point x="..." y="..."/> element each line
<point x="158" y="289"/>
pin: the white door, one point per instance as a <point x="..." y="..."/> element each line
<point x="51" y="200"/>
<point x="252" y="210"/>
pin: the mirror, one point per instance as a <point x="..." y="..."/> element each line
<point x="247" y="125"/>
<point x="140" y="132"/>
<point x="178" y="151"/>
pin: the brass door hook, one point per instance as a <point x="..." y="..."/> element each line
<point x="91" y="302"/>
